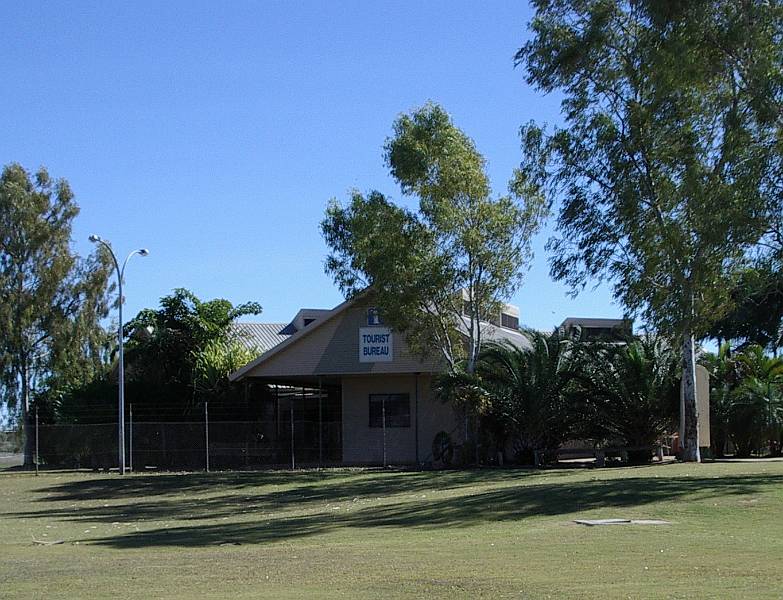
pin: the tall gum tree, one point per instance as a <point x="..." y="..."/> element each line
<point x="51" y="300"/>
<point x="437" y="272"/>
<point x="667" y="168"/>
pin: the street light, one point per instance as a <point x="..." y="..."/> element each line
<point x="120" y="275"/>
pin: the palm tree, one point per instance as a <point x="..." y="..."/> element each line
<point x="628" y="393"/>
<point x="756" y="415"/>
<point x="725" y="375"/>
<point x="519" y="393"/>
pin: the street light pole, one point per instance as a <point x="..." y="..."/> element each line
<point x="120" y="275"/>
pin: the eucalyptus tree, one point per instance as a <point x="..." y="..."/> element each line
<point x="756" y="315"/>
<point x="51" y="300"/>
<point x="439" y="271"/>
<point x="668" y="165"/>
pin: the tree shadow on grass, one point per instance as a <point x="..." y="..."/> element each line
<point x="194" y="498"/>
<point x="350" y="481"/>
<point x="462" y="509"/>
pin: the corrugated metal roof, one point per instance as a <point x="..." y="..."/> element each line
<point x="503" y="334"/>
<point x="495" y="333"/>
<point x="259" y="336"/>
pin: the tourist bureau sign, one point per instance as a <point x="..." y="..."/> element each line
<point x="375" y="344"/>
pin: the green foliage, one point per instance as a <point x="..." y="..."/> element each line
<point x="668" y="167"/>
<point x="757" y="406"/>
<point x="746" y="400"/>
<point x="51" y="300"/>
<point x="447" y="266"/>
<point x="164" y="344"/>
<point x="176" y="357"/>
<point x="627" y="394"/>
<point x="756" y="316"/>
<point x="665" y="165"/>
<point x="560" y="388"/>
<point x="216" y="361"/>
<point x="519" y="393"/>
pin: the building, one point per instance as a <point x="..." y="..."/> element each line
<point x="589" y="329"/>
<point x="345" y="389"/>
<point x="338" y="387"/>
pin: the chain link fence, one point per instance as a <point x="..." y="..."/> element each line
<point x="192" y="445"/>
<point x="11" y="449"/>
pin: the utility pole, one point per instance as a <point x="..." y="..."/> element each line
<point x="36" y="441"/>
<point x="120" y="274"/>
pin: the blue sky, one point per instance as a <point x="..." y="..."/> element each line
<point x="215" y="133"/>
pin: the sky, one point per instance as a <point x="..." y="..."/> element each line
<point x="215" y="133"/>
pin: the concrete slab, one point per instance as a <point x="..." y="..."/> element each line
<point x="596" y="522"/>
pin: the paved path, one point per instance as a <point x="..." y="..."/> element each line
<point x="11" y="460"/>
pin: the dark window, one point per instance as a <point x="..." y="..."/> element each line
<point x="598" y="333"/>
<point x="373" y="317"/>
<point x="397" y="408"/>
<point x="509" y="321"/>
<point x="307" y="321"/>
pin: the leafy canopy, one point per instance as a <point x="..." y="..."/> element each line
<point x="756" y="315"/>
<point x="668" y="166"/>
<point x="746" y="400"/>
<point x="443" y="268"/>
<point x="165" y="344"/>
<point x="51" y="299"/>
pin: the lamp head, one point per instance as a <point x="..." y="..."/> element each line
<point x="95" y="239"/>
<point x="143" y="252"/>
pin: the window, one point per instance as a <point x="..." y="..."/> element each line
<point x="373" y="317"/>
<point x="307" y="321"/>
<point x="509" y="321"/>
<point x="397" y="409"/>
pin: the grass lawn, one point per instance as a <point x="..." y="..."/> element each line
<point x="362" y="534"/>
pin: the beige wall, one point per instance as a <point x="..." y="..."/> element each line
<point x="703" y="398"/>
<point x="332" y="348"/>
<point x="364" y="445"/>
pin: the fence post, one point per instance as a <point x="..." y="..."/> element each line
<point x="36" y="441"/>
<point x="130" y="438"/>
<point x="383" y="416"/>
<point x="293" y="457"/>
<point x="206" y="435"/>
<point x="320" y="427"/>
<point x="416" y="412"/>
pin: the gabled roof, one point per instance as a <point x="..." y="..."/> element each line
<point x="304" y="318"/>
<point x="490" y="333"/>
<point x="328" y="316"/>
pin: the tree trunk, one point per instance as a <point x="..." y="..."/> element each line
<point x="690" y="406"/>
<point x="28" y="423"/>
